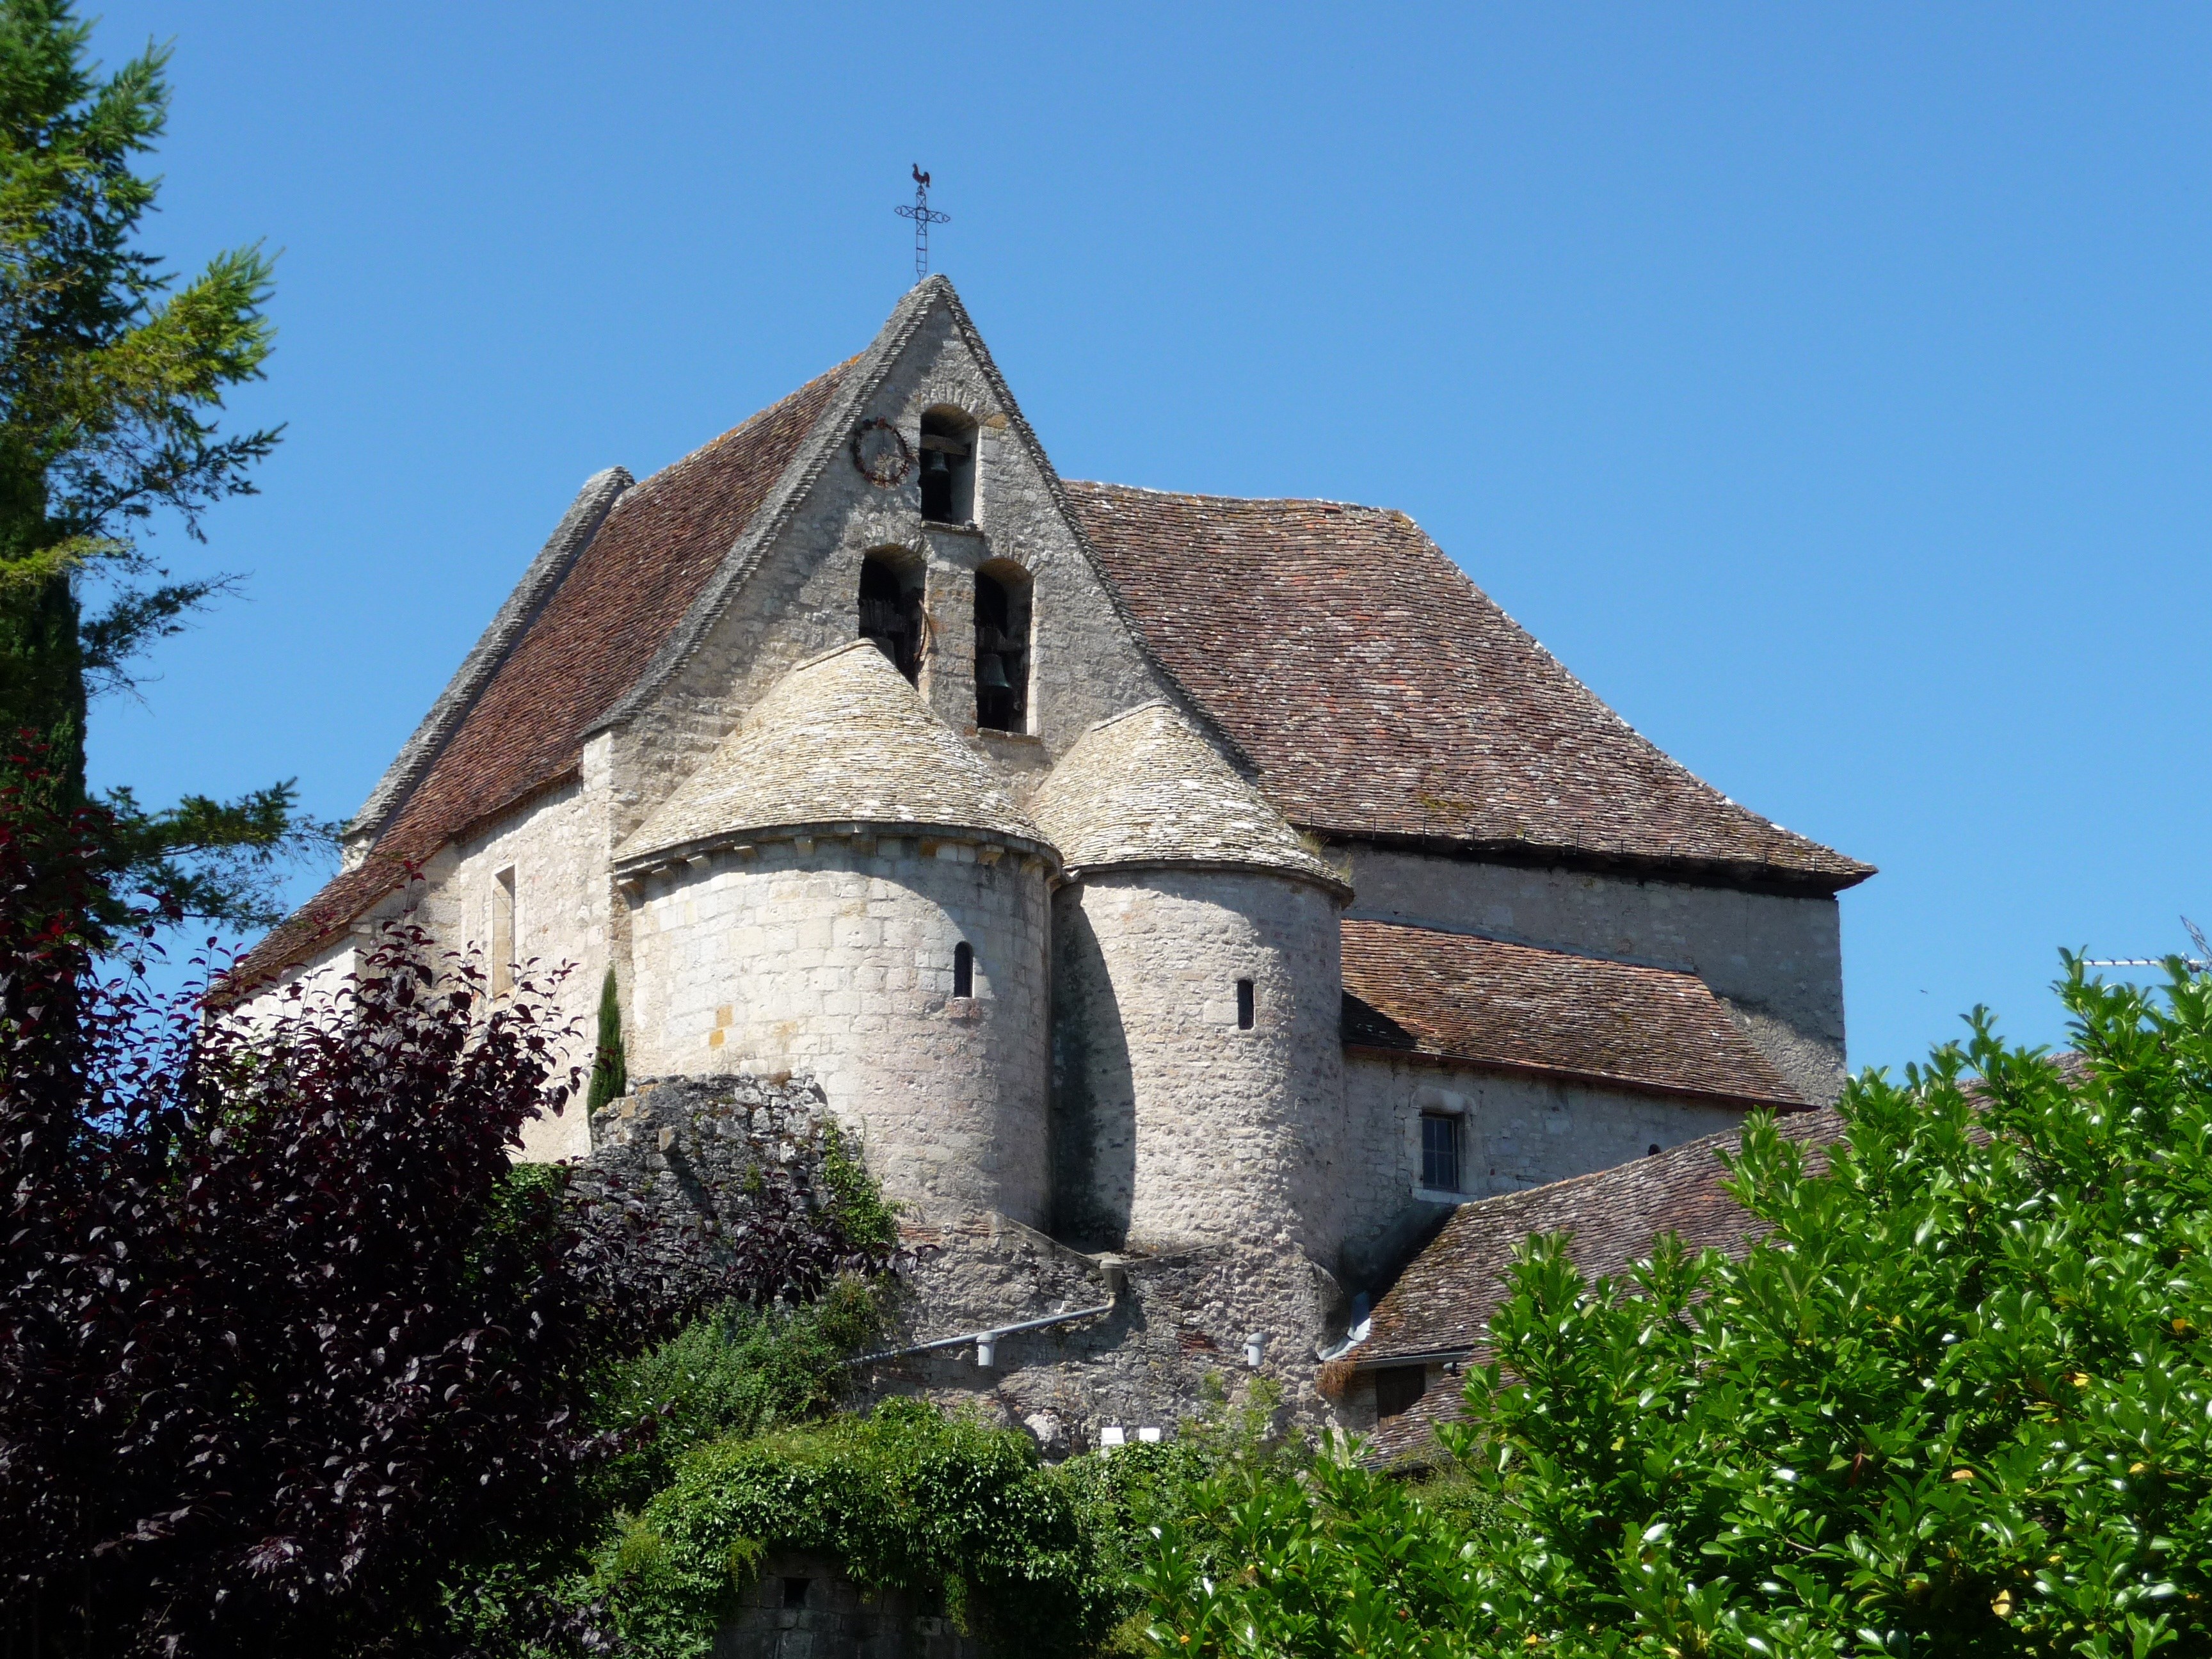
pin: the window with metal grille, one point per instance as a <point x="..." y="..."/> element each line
<point x="1398" y="1388"/>
<point x="963" y="970"/>
<point x="1440" y="1152"/>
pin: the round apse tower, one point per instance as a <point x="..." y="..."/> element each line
<point x="847" y="889"/>
<point x="1197" y="1061"/>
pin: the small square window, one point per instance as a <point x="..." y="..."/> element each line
<point x="1397" y="1388"/>
<point x="1440" y="1152"/>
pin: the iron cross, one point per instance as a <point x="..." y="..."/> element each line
<point x="923" y="217"/>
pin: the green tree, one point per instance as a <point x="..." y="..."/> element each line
<point x="1956" y="1400"/>
<point x="112" y="380"/>
<point x="609" y="1071"/>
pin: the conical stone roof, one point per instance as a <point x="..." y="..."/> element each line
<point x="1144" y="788"/>
<point x="842" y="738"/>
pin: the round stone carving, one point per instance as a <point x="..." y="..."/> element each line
<point x="880" y="450"/>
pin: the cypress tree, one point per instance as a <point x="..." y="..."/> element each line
<point x="610" y="1074"/>
<point x="112" y="378"/>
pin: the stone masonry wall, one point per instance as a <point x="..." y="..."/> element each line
<point x="835" y="957"/>
<point x="682" y="1148"/>
<point x="1515" y="1132"/>
<point x="1777" y="961"/>
<point x="803" y="597"/>
<point x="1173" y="1127"/>
<point x="1174" y="1336"/>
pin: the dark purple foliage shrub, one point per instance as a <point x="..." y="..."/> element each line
<point x="283" y="1333"/>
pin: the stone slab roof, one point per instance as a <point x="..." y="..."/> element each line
<point x="1442" y="1302"/>
<point x="1143" y="788"/>
<point x="1383" y="694"/>
<point x="626" y="592"/>
<point x="1453" y="997"/>
<point x="842" y="738"/>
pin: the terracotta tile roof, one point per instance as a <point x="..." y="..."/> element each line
<point x="841" y="738"/>
<point x="1383" y="693"/>
<point x="1419" y="990"/>
<point x="1442" y="1302"/>
<point x="619" y="602"/>
<point x="1144" y="788"/>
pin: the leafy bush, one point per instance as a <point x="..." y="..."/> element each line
<point x="283" y="1336"/>
<point x="943" y="1509"/>
<point x="741" y="1371"/>
<point x="1955" y="1402"/>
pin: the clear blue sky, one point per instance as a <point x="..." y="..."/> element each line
<point x="1828" y="387"/>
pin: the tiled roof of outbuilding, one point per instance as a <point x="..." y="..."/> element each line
<point x="1143" y="788"/>
<point x="627" y="591"/>
<point x="842" y="738"/>
<point x="1383" y="693"/>
<point x="1454" y="996"/>
<point x="1442" y="1302"/>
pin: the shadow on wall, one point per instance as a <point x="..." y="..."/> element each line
<point x="1094" y="1116"/>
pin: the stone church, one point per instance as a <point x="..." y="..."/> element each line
<point x="1187" y="902"/>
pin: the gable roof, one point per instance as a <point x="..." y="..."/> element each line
<point x="615" y="605"/>
<point x="1383" y="694"/>
<point x="1419" y="992"/>
<point x="842" y="737"/>
<point x="622" y="597"/>
<point x="1143" y="788"/>
<point x="1442" y="1302"/>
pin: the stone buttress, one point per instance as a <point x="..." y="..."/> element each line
<point x="1199" y="1075"/>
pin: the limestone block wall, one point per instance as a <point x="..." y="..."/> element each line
<point x="1514" y="1131"/>
<point x="801" y="596"/>
<point x="1174" y="1335"/>
<point x="1173" y="1127"/>
<point x="682" y="1152"/>
<point x="1777" y="959"/>
<point x="835" y="957"/>
<point x="552" y="853"/>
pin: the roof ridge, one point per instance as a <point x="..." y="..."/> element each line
<point x="654" y="481"/>
<point x="1242" y="501"/>
<point x="600" y="495"/>
<point x="1488" y="938"/>
<point x="1192" y="704"/>
<point x="858" y="377"/>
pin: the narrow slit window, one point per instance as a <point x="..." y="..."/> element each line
<point x="503" y="931"/>
<point x="963" y="969"/>
<point x="1440" y="1152"/>
<point x="1245" y="1008"/>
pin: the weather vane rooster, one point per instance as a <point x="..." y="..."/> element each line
<point x="923" y="218"/>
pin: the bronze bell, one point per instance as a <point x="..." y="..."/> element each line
<point x="933" y="461"/>
<point x="991" y="675"/>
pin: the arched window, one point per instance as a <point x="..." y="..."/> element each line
<point x="1002" y="647"/>
<point x="891" y="608"/>
<point x="948" y="467"/>
<point x="963" y="969"/>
